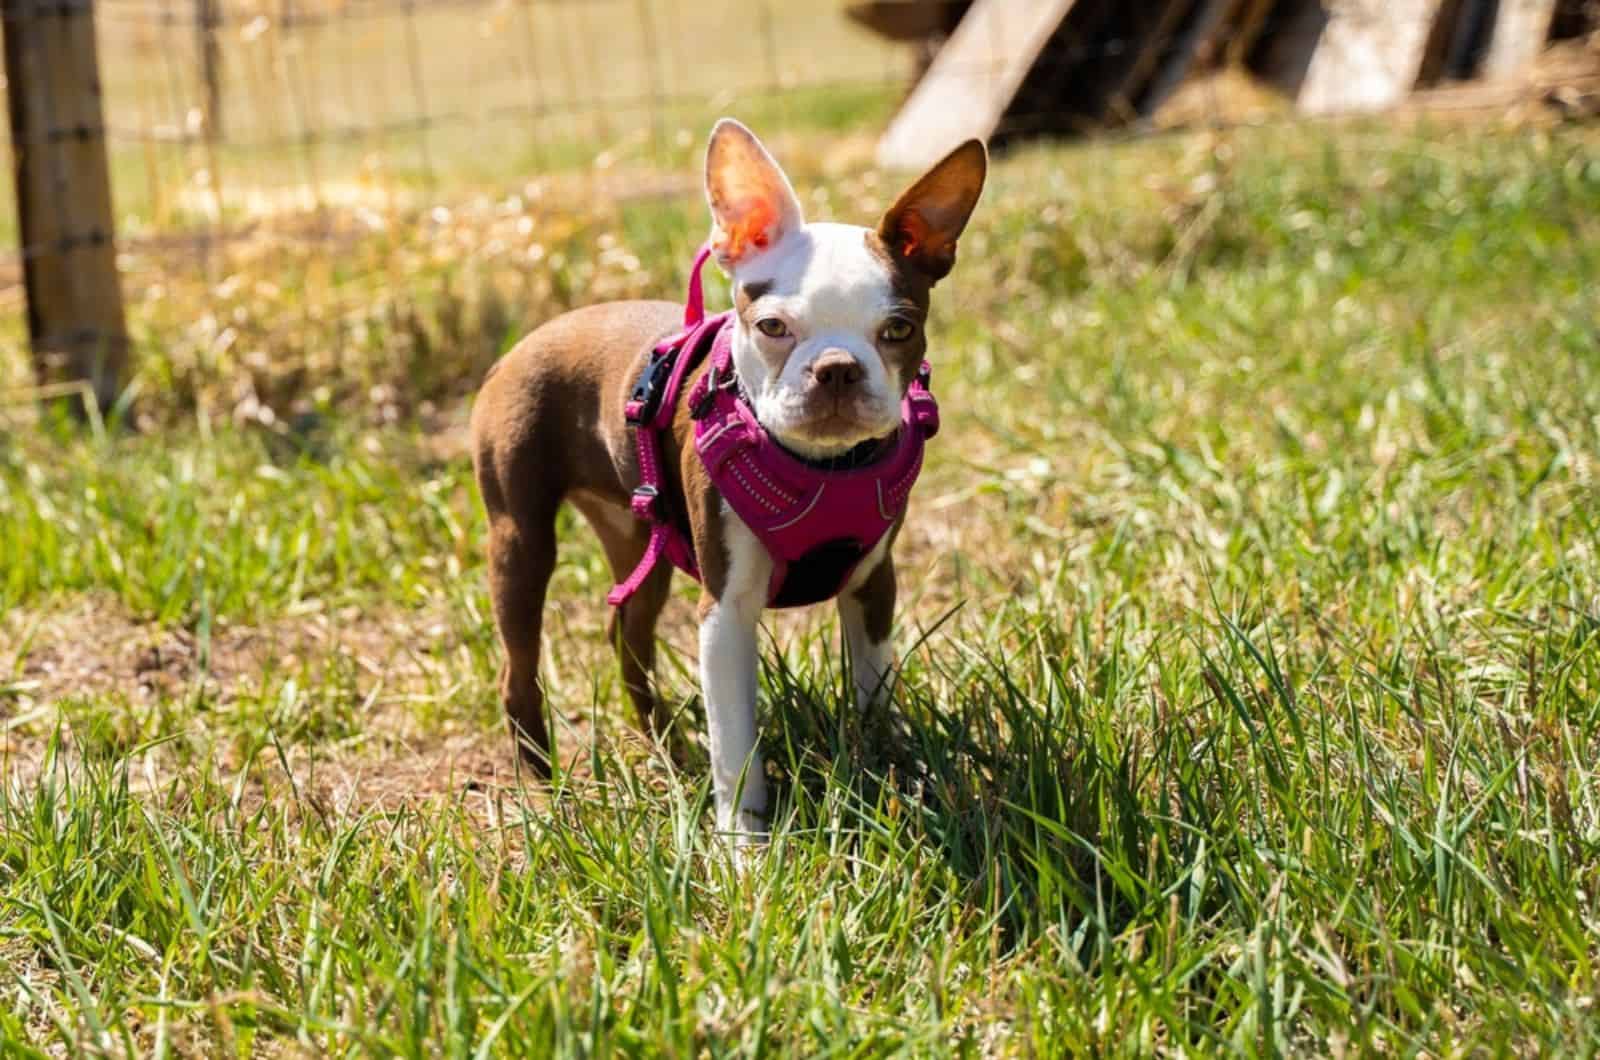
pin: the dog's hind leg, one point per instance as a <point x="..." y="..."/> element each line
<point x="633" y="632"/>
<point x="522" y="556"/>
<point x="633" y="625"/>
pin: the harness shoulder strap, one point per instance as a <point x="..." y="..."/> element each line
<point x="686" y="348"/>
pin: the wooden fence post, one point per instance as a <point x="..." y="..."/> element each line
<point x="75" y="316"/>
<point x="207" y="19"/>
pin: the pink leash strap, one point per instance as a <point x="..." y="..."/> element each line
<point x="694" y="307"/>
<point x="644" y="502"/>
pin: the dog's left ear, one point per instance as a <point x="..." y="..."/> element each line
<point x="752" y="204"/>
<point x="922" y="226"/>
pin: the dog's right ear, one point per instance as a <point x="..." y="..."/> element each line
<point x="752" y="204"/>
<point x="922" y="227"/>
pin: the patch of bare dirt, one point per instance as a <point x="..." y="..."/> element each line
<point x="93" y="648"/>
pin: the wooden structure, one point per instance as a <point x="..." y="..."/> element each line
<point x="1368" y="56"/>
<point x="207" y="23"/>
<point x="63" y="186"/>
<point x="972" y="81"/>
<point x="1006" y="68"/>
<point x="1520" y="32"/>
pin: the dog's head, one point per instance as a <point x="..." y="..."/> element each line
<point x="830" y="317"/>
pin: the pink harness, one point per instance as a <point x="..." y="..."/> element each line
<point x="816" y="524"/>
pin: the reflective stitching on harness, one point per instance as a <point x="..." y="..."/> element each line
<point x="710" y="439"/>
<point x="902" y="489"/>
<point x="755" y="495"/>
<point x="755" y="469"/>
<point x="802" y="515"/>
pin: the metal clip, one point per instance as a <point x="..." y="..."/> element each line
<point x="645" y="502"/>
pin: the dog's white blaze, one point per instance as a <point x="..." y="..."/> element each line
<point x="835" y="293"/>
<point x="728" y="680"/>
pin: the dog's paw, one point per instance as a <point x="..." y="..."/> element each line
<point x="750" y="826"/>
<point x="746" y="834"/>
<point x="749" y="837"/>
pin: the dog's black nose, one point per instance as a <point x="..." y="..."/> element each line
<point x="837" y="371"/>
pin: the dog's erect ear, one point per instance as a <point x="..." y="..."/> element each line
<point x="752" y="204"/>
<point x="922" y="226"/>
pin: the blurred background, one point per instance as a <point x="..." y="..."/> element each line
<point x="259" y="208"/>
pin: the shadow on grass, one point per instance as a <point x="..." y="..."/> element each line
<point x="1076" y="787"/>
<point x="1011" y="765"/>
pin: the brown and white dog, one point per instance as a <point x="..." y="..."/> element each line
<point x="827" y="337"/>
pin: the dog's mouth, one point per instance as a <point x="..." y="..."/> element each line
<point x="841" y="424"/>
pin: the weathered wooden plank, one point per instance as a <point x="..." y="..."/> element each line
<point x="1284" y="38"/>
<point x="972" y="80"/>
<point x="1198" y="43"/>
<point x="1094" y="71"/>
<point x="1152" y="47"/>
<point x="1368" y="56"/>
<point x="1243" y="30"/>
<point x="1521" y="30"/>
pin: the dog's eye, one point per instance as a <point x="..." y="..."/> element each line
<point x="772" y="327"/>
<point x="897" y="330"/>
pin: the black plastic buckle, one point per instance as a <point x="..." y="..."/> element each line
<point x="646" y="397"/>
<point x="702" y="408"/>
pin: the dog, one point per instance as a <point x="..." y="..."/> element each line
<point x="768" y="451"/>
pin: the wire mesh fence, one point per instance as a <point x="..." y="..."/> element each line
<point x="249" y="138"/>
<point x="236" y="109"/>
<point x="228" y="110"/>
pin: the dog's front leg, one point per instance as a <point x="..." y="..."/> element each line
<point x="728" y="624"/>
<point x="866" y="610"/>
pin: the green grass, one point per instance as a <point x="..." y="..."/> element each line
<point x="1251" y="645"/>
